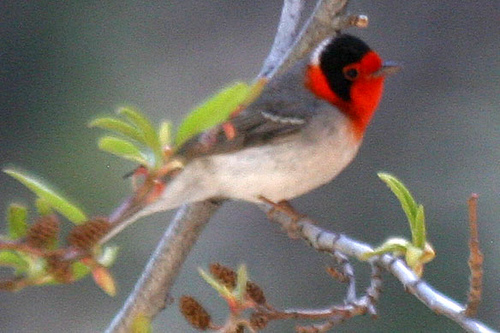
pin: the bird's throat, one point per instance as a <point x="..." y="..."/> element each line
<point x="365" y="98"/>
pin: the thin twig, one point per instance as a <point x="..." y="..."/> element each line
<point x="348" y="272"/>
<point x="285" y="36"/>
<point x="326" y="241"/>
<point x="475" y="261"/>
<point x="374" y="289"/>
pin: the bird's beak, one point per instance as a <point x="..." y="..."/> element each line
<point x="388" y="68"/>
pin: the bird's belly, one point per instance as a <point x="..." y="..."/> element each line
<point x="284" y="171"/>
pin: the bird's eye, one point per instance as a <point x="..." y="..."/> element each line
<point x="350" y="73"/>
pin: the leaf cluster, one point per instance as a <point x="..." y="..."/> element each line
<point x="34" y="252"/>
<point x="418" y="251"/>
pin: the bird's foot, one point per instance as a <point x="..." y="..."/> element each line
<point x="284" y="207"/>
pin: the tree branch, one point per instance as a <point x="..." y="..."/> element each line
<point x="326" y="241"/>
<point x="285" y="36"/>
<point x="476" y="259"/>
<point x="148" y="297"/>
<point x="326" y="19"/>
<point x="151" y="291"/>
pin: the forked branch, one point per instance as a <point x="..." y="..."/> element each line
<point x="329" y="242"/>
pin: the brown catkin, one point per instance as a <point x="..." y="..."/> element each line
<point x="87" y="235"/>
<point x="224" y="274"/>
<point x="59" y="268"/>
<point x="44" y="233"/>
<point x="194" y="312"/>
<point x="8" y="285"/>
<point x="255" y="293"/>
<point x="258" y="321"/>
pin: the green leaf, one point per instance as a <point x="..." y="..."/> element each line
<point x="150" y="136"/>
<point x="165" y="134"/>
<point x="13" y="259"/>
<point x="37" y="268"/>
<point x="419" y="234"/>
<point x="141" y="324"/>
<point x="396" y="246"/>
<point x="219" y="287"/>
<point x="16" y="221"/>
<point x="79" y="270"/>
<point x="413" y="256"/>
<point x="212" y="112"/>
<point x="120" y="127"/>
<point x="241" y="283"/>
<point x="122" y="148"/>
<point x="142" y="124"/>
<point x="404" y="196"/>
<point x="43" y="207"/>
<point x="58" y="202"/>
<point x="108" y="256"/>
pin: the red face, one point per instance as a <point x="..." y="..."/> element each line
<point x="351" y="79"/>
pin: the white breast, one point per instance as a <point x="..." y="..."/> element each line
<point x="287" y="170"/>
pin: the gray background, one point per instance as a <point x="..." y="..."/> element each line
<point x="437" y="129"/>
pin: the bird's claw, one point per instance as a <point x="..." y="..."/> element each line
<point x="285" y="208"/>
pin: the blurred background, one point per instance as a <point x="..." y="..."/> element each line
<point x="438" y="129"/>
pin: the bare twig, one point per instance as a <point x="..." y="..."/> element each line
<point x="189" y="220"/>
<point x="374" y="289"/>
<point x="348" y="272"/>
<point x="353" y="306"/>
<point x="327" y="19"/>
<point x="475" y="261"/>
<point x="285" y="36"/>
<point x="326" y="241"/>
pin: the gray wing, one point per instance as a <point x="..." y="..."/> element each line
<point x="252" y="127"/>
<point x="284" y="108"/>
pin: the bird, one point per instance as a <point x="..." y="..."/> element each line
<point x="305" y="127"/>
